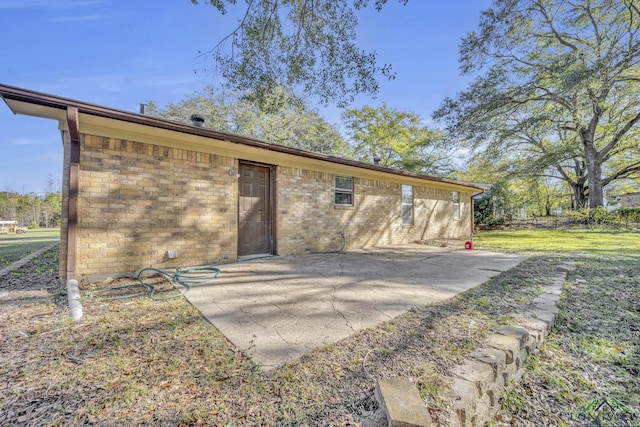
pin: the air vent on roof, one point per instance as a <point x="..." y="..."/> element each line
<point x="197" y="120"/>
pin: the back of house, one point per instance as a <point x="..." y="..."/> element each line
<point x="139" y="192"/>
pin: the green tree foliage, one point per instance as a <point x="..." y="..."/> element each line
<point x="304" y="44"/>
<point x="479" y="169"/>
<point x="398" y="139"/>
<point x="282" y="118"/>
<point x="52" y="209"/>
<point x="498" y="205"/>
<point x="546" y="195"/>
<point x="556" y="90"/>
<point x="31" y="209"/>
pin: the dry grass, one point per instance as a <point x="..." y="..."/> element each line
<point x="144" y="362"/>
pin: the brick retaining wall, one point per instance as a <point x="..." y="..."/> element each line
<point x="487" y="372"/>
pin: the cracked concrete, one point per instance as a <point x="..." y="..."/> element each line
<point x="280" y="308"/>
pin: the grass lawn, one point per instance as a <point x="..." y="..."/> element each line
<point x="593" y="353"/>
<point x="560" y="241"/>
<point x="16" y="246"/>
<point x="144" y="362"/>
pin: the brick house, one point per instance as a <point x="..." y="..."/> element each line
<point x="136" y="188"/>
<point x="630" y="200"/>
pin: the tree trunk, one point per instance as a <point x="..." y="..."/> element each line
<point x="593" y="163"/>
<point x="594" y="177"/>
<point x="580" y="193"/>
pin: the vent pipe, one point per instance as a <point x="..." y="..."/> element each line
<point x="376" y="160"/>
<point x="197" y="120"/>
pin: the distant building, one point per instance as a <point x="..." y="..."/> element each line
<point x="630" y="200"/>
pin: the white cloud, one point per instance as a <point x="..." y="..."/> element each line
<point x="27" y="141"/>
<point x="79" y="18"/>
<point x="64" y="9"/>
<point x="106" y="85"/>
<point x="47" y="4"/>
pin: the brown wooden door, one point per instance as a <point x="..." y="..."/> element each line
<point x="254" y="210"/>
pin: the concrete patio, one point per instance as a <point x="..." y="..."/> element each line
<point x="276" y="309"/>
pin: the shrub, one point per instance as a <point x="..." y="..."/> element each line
<point x="627" y="216"/>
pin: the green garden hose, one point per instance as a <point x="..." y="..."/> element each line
<point x="185" y="277"/>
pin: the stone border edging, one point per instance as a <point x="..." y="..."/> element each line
<point x="487" y="372"/>
<point x="26" y="259"/>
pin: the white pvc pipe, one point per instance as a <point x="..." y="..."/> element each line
<point x="73" y="293"/>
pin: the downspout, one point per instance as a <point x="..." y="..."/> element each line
<point x="74" y="168"/>
<point x="73" y="291"/>
<point x="473" y="220"/>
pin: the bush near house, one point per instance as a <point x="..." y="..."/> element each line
<point x="600" y="218"/>
<point x="625" y="218"/>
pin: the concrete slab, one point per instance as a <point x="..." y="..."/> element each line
<point x="277" y="309"/>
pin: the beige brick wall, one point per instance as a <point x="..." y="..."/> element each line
<point x="139" y="200"/>
<point x="308" y="220"/>
<point x="630" y="200"/>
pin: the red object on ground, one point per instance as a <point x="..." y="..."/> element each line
<point x="468" y="244"/>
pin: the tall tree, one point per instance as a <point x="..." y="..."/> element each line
<point x="546" y="195"/>
<point x="398" y="139"/>
<point x="31" y="209"/>
<point x="308" y="44"/>
<point x="571" y="68"/>
<point x="535" y="147"/>
<point x="280" y="118"/>
<point x="480" y="170"/>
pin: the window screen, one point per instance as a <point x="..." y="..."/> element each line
<point x="456" y="204"/>
<point x="407" y="205"/>
<point x="343" y="190"/>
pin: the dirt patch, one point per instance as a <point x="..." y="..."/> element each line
<point x="37" y="280"/>
<point x="13" y="253"/>
<point x="138" y="361"/>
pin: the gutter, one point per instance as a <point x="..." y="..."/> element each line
<point x="473" y="222"/>
<point x="74" y="168"/>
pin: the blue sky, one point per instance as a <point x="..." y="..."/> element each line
<point x="121" y="53"/>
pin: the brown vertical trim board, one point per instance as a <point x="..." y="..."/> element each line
<point x="74" y="168"/>
<point x="274" y="209"/>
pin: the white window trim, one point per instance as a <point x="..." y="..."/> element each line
<point x="403" y="204"/>
<point x="337" y="190"/>
<point x="455" y="205"/>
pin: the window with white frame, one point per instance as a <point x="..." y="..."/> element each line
<point x="407" y="205"/>
<point x="456" y="204"/>
<point x="343" y="190"/>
